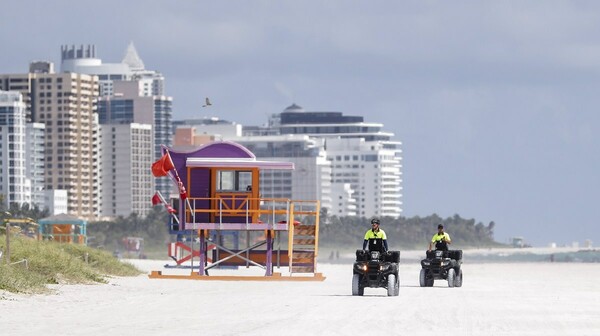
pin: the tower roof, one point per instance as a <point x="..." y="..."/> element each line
<point x="132" y="58"/>
<point x="294" y="108"/>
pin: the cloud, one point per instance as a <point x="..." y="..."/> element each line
<point x="284" y="91"/>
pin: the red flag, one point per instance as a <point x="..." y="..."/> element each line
<point x="156" y="199"/>
<point x="162" y="166"/>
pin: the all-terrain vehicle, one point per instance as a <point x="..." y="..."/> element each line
<point x="441" y="265"/>
<point x="376" y="269"/>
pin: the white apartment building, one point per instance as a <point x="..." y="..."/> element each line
<point x="372" y="172"/>
<point x="34" y="160"/>
<point x="361" y="155"/>
<point x="82" y="59"/>
<point x="57" y="201"/>
<point x="343" y="198"/>
<point x="128" y="185"/>
<point x="14" y="187"/>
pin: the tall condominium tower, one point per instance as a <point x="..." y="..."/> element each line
<point x="127" y="106"/>
<point x="361" y="154"/>
<point x="65" y="103"/>
<point x="34" y="159"/>
<point x="14" y="188"/>
<point x="83" y="59"/>
<point x="122" y="86"/>
<point x="127" y="156"/>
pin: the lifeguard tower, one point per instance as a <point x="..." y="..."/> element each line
<point x="64" y="228"/>
<point x="220" y="208"/>
<point x="134" y="247"/>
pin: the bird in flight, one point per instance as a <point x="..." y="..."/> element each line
<point x="207" y="103"/>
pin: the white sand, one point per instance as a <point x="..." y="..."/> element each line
<point x="496" y="299"/>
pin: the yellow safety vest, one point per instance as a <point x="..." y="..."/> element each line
<point x="437" y="237"/>
<point x="374" y="235"/>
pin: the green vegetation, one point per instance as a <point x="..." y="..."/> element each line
<point x="405" y="233"/>
<point x="335" y="232"/>
<point x="108" y="235"/>
<point x="54" y="263"/>
<point x="22" y="211"/>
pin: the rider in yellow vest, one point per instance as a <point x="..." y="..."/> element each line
<point x="441" y="239"/>
<point x="375" y="233"/>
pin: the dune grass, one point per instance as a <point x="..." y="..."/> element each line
<point x="55" y="263"/>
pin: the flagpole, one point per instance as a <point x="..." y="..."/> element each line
<point x="180" y="186"/>
<point x="164" y="202"/>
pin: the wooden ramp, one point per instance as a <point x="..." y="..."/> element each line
<point x="274" y="277"/>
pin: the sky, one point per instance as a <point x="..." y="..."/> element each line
<point x="495" y="102"/>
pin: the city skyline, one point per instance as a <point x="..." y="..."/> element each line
<point x="493" y="102"/>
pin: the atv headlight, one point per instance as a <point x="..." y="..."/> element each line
<point x="445" y="262"/>
<point x="360" y="267"/>
<point x="426" y="262"/>
<point x="384" y="267"/>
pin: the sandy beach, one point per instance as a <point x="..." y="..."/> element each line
<point x="496" y="299"/>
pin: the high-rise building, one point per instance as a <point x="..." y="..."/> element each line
<point x="82" y="59"/>
<point x="65" y="103"/>
<point x="361" y="155"/>
<point x="14" y="187"/>
<point x="127" y="156"/>
<point x="22" y="84"/>
<point x="56" y="201"/>
<point x="34" y="160"/>
<point x="127" y="106"/>
<point x="130" y="93"/>
<point x="345" y="203"/>
<point x="371" y="170"/>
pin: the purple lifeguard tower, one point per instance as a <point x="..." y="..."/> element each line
<point x="222" y="199"/>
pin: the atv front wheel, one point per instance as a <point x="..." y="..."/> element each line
<point x="458" y="279"/>
<point x="451" y="277"/>
<point x="423" y="278"/>
<point x="357" y="289"/>
<point x="392" y="285"/>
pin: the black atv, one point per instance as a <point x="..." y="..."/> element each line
<point x="376" y="269"/>
<point x="441" y="265"/>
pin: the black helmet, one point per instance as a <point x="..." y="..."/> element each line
<point x="375" y="221"/>
<point x="440" y="226"/>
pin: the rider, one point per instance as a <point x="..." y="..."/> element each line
<point x="375" y="234"/>
<point x="441" y="239"/>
